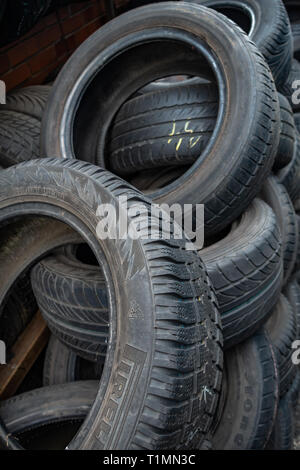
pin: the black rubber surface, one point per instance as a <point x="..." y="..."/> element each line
<point x="62" y="365"/>
<point x="172" y="297"/>
<point x="30" y="100"/>
<point x="289" y="176"/>
<point x="268" y="26"/>
<point x="48" y="406"/>
<point x="72" y="297"/>
<point x="287" y="134"/>
<point x="227" y="177"/>
<point x="19" y="138"/>
<point x="277" y="197"/>
<point x="249" y="408"/>
<point x="246" y="271"/>
<point x="282" y="330"/>
<point x="170" y="126"/>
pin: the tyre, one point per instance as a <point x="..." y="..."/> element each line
<point x="282" y="330"/>
<point x="246" y="271"/>
<point x="167" y="337"/>
<point x="249" y="409"/>
<point x="287" y="134"/>
<point x="297" y="425"/>
<point x="19" y="138"/>
<point x="37" y="412"/>
<point x="267" y="24"/>
<point x="62" y="365"/>
<point x="30" y="100"/>
<point x="170" y="126"/>
<point x="276" y="196"/>
<point x="289" y="176"/>
<point x="245" y="76"/>
<point x="72" y="297"/>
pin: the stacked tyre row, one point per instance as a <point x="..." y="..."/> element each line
<point x="173" y="103"/>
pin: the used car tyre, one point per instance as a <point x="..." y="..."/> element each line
<point x="276" y="196"/>
<point x="246" y="271"/>
<point x="62" y="365"/>
<point x="45" y="407"/>
<point x="19" y="138"/>
<point x="138" y="47"/>
<point x="72" y="297"/>
<point x="249" y="409"/>
<point x="170" y="126"/>
<point x="268" y="26"/>
<point x="165" y="333"/>
<point x="282" y="330"/>
<point x="30" y="100"/>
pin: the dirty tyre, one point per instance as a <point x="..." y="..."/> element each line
<point x="170" y="126"/>
<point x="187" y="339"/>
<point x="225" y="198"/>
<point x="250" y="406"/>
<point x="246" y="268"/>
<point x="277" y="197"/>
<point x="72" y="297"/>
<point x="19" y="138"/>
<point x="30" y="100"/>
<point x="268" y="26"/>
<point x="48" y="406"/>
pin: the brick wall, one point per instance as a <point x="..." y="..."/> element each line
<point x="38" y="55"/>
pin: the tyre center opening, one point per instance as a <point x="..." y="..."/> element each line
<point x="21" y="307"/>
<point x="187" y="136"/>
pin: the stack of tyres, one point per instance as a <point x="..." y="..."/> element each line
<point x="208" y="117"/>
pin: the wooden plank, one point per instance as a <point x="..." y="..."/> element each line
<point x="25" y="352"/>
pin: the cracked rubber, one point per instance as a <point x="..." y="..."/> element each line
<point x="167" y="338"/>
<point x="19" y="138"/>
<point x="246" y="271"/>
<point x="249" y="409"/>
